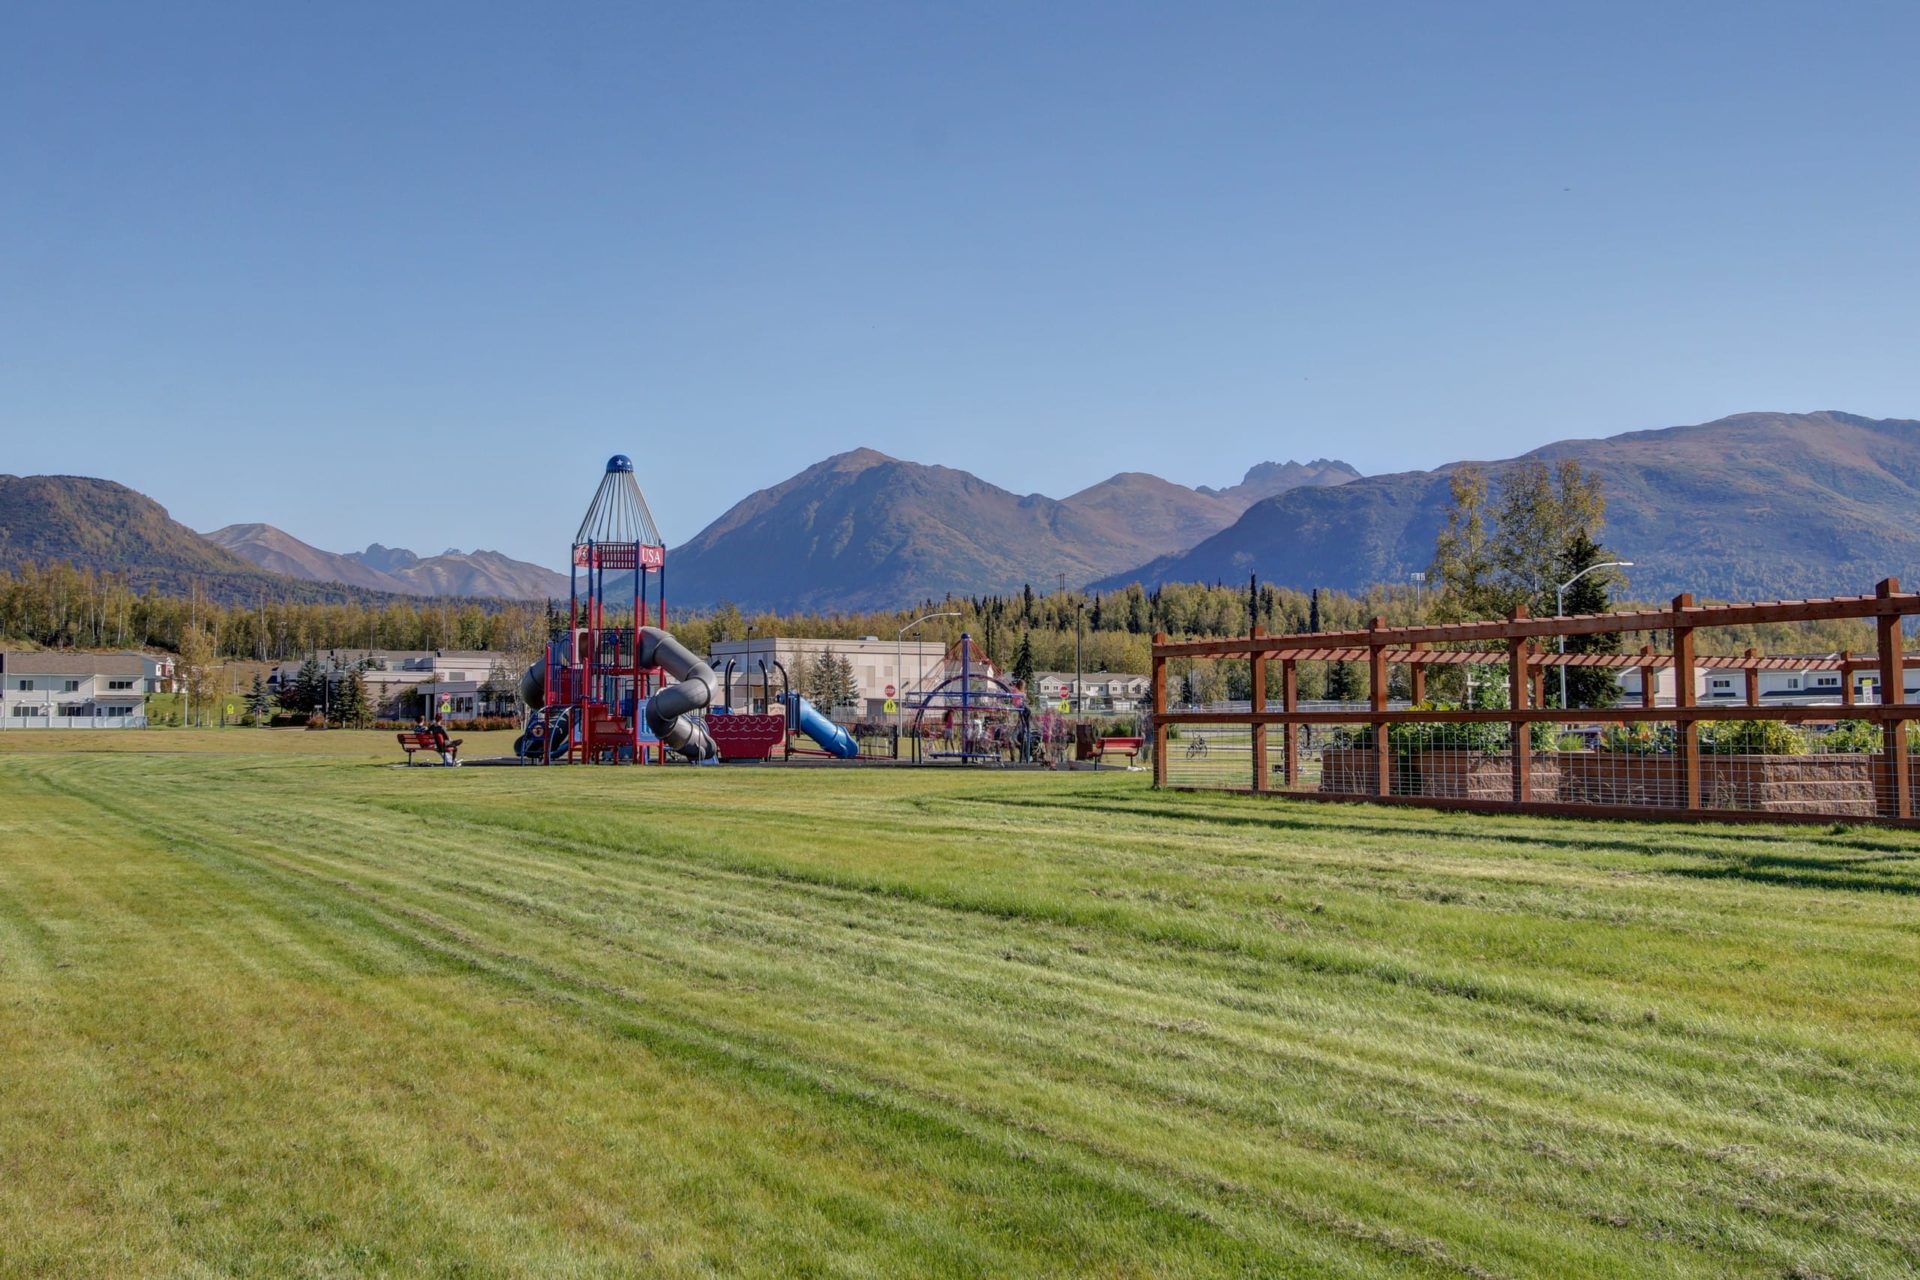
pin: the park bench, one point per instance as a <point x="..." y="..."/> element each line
<point x="412" y="742"/>
<point x="1128" y="747"/>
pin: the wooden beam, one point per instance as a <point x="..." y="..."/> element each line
<point x="1753" y="682"/>
<point x="1257" y="666"/>
<point x="1649" y="678"/>
<point x="1683" y="673"/>
<point x="1825" y="714"/>
<point x="1896" y="769"/>
<point x="1377" y="697"/>
<point x="1159" y="710"/>
<point x="1898" y="604"/>
<point x="1519" y="733"/>
<point x="1846" y="678"/>
<point x="1290" y="703"/>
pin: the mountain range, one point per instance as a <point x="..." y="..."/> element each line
<point x="1758" y="505"/>
<point x="862" y="530"/>
<point x="393" y="569"/>
<point x="1755" y="505"/>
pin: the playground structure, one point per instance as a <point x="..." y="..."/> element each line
<point x="1848" y="760"/>
<point x="599" y="694"/>
<point x="966" y="713"/>
<point x="617" y="688"/>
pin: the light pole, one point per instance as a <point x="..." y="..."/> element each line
<point x="900" y="667"/>
<point x="1078" y="706"/>
<point x="1560" y="610"/>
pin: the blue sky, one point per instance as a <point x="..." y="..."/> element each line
<point x="411" y="272"/>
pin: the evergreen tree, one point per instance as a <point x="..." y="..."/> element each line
<point x="1343" y="683"/>
<point x="350" y="702"/>
<point x="1313" y="613"/>
<point x="259" y="701"/>
<point x="1022" y="672"/>
<point x="306" y="695"/>
<point x="1588" y="686"/>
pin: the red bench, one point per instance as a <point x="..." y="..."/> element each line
<point x="412" y="742"/>
<point x="1128" y="747"/>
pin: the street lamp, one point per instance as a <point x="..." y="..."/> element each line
<point x="900" y="667"/>
<point x="1560" y="610"/>
<point x="1078" y="705"/>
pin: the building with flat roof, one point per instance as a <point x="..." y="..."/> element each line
<point x="882" y="669"/>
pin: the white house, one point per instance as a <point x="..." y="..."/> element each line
<point x="68" y="690"/>
<point x="1099" y="690"/>
<point x="1808" y="686"/>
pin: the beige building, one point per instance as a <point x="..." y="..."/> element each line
<point x="878" y="666"/>
<point x="80" y="690"/>
<point x="1099" y="690"/>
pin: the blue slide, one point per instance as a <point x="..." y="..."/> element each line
<point x="831" y="737"/>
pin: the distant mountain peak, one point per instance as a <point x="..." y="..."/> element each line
<point x="385" y="559"/>
<point x="1265" y="479"/>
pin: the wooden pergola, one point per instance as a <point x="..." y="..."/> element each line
<point x="1382" y="647"/>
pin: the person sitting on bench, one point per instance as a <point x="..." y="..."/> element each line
<point x="443" y="743"/>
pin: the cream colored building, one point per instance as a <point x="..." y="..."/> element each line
<point x="878" y="664"/>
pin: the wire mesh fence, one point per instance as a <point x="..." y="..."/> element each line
<point x="1827" y="738"/>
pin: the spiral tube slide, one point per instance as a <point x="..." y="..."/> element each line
<point x="832" y="738"/>
<point x="667" y="711"/>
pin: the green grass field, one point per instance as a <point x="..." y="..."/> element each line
<point x="271" y="1008"/>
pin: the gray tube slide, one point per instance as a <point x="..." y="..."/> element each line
<point x="667" y="710"/>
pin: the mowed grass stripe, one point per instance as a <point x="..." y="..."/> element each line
<point x="1135" y="1222"/>
<point x="1074" y="1020"/>
<point x="760" y="1050"/>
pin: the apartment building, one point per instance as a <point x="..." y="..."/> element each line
<point x="66" y="690"/>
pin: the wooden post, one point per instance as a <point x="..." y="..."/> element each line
<point x="1895" y="768"/>
<point x="1753" y="680"/>
<point x="1377" y="698"/>
<point x="1649" y="679"/>
<point x="1520" y="734"/>
<point x="1159" y="711"/>
<point x="1846" y="677"/>
<point x="1539" y="687"/>
<point x="1290" y="703"/>
<point x="1683" y="699"/>
<point x="1417" y="678"/>
<point x="1257" y="665"/>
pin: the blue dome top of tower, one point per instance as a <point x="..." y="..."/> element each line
<point x="619" y="462"/>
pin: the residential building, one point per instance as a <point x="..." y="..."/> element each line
<point x="1809" y="686"/>
<point x="1099" y="690"/>
<point x="408" y="682"/>
<point x="67" y="690"/>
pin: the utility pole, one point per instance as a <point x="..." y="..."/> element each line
<point x="1078" y="605"/>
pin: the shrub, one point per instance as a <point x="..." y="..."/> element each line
<point x="1637" y="739"/>
<point x="1752" y="738"/>
<point x="1851" y="736"/>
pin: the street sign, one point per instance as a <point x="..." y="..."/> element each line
<point x="892" y="706"/>
<point x="890" y="691"/>
<point x="1064" y="706"/>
